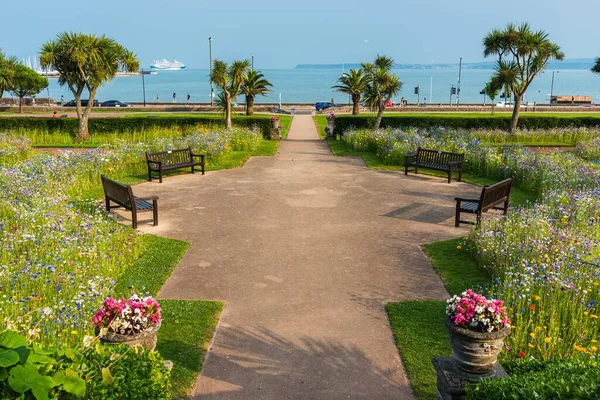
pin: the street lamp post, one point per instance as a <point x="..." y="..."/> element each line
<point x="252" y="63"/>
<point x="552" y="87"/>
<point x="458" y="86"/>
<point x="210" y="69"/>
<point x="144" y="86"/>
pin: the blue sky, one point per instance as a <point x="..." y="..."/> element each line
<point x="281" y="34"/>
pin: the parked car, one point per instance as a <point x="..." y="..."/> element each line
<point x="84" y="103"/>
<point x="115" y="103"/>
<point x="320" y="106"/>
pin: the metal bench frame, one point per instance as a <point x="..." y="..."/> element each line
<point x="491" y="197"/>
<point x="123" y="196"/>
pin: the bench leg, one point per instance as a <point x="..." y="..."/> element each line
<point x="202" y="160"/>
<point x="449" y="176"/>
<point x="160" y="176"/>
<point x="406" y="169"/>
<point x="149" y="175"/>
<point x="193" y="172"/>
<point x="505" y="207"/>
<point x="107" y="200"/>
<point x="134" y="219"/>
<point x="457" y="216"/>
<point x="460" y="175"/>
<point x="155" y="212"/>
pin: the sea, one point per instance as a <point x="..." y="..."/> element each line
<point x="310" y="84"/>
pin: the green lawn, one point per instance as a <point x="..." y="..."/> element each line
<point x="320" y="123"/>
<point x="188" y="326"/>
<point x="418" y="326"/>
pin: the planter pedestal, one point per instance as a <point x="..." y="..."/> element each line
<point x="451" y="383"/>
<point x="145" y="338"/>
<point x="275" y="133"/>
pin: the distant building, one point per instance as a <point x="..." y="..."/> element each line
<point x="571" y="100"/>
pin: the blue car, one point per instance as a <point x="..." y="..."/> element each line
<point x="320" y="106"/>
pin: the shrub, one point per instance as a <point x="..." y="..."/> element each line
<point x="562" y="379"/>
<point x="92" y="372"/>
<point x="101" y="125"/>
<point x="474" y="121"/>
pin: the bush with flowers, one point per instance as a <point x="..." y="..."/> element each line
<point x="474" y="312"/>
<point x="127" y="316"/>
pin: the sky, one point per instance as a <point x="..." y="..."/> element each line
<point x="281" y="34"/>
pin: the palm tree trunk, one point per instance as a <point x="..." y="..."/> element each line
<point x="355" y="104"/>
<point x="83" y="131"/>
<point x="379" y="115"/>
<point x="249" y="105"/>
<point x="227" y="112"/>
<point x="515" y="115"/>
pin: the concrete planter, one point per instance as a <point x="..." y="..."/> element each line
<point x="275" y="123"/>
<point x="145" y="338"/>
<point x="475" y="353"/>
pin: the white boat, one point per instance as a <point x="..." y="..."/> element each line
<point x="166" y="65"/>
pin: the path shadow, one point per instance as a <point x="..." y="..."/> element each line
<point x="423" y="212"/>
<point x="258" y="363"/>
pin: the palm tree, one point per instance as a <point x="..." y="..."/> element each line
<point x="595" y="68"/>
<point x="381" y="85"/>
<point x="85" y="62"/>
<point x="527" y="51"/>
<point x="254" y="85"/>
<point x="229" y="78"/>
<point x="7" y="72"/>
<point x="353" y="84"/>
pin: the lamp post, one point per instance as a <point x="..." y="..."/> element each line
<point x="144" y="86"/>
<point x="458" y="86"/>
<point x="210" y="69"/>
<point x="345" y="75"/>
<point x="552" y="87"/>
<point x="252" y="63"/>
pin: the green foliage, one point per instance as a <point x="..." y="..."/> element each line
<point x="131" y="124"/>
<point x="561" y="379"/>
<point x="465" y="121"/>
<point x="596" y="67"/>
<point x="85" y="62"/>
<point x="254" y="85"/>
<point x="27" y="82"/>
<point x="353" y="84"/>
<point x="522" y="55"/>
<point x="381" y="85"/>
<point x="93" y="372"/>
<point x="229" y="79"/>
<point x="7" y="71"/>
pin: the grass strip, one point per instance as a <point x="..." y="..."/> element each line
<point x="418" y="326"/>
<point x="188" y="326"/>
<point x="186" y="332"/>
<point x="320" y="123"/>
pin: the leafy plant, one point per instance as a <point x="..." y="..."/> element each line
<point x="254" y="85"/>
<point x="27" y="82"/>
<point x="353" y="84"/>
<point x="230" y="79"/>
<point x="85" y="62"/>
<point x="381" y="85"/>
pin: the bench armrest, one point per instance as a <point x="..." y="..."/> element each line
<point x="455" y="163"/>
<point x="148" y="198"/>
<point x="410" y="155"/>
<point x="460" y="199"/>
<point x="197" y="155"/>
<point x="154" y="162"/>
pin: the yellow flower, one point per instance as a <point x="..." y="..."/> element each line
<point x="532" y="334"/>
<point x="536" y="297"/>
<point x="594" y="348"/>
<point x="531" y="346"/>
<point x="593" y="316"/>
<point x="74" y="332"/>
<point x="593" y="341"/>
<point x="547" y="340"/>
<point x="585" y="313"/>
<point x="538" y="328"/>
<point x="596" y="283"/>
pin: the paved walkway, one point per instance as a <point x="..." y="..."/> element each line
<point x="305" y="248"/>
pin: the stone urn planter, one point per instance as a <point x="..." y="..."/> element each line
<point x="475" y="353"/>
<point x="275" y="123"/>
<point x="146" y="338"/>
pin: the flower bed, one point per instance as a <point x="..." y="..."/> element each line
<point x="59" y="256"/>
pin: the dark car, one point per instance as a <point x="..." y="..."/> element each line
<point x="320" y="106"/>
<point x="84" y="103"/>
<point x="115" y="103"/>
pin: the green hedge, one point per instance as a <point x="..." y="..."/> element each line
<point x="560" y="379"/>
<point x="462" y="121"/>
<point x="129" y="123"/>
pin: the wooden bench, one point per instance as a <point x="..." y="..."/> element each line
<point x="173" y="159"/>
<point x="491" y="197"/>
<point x="123" y="196"/>
<point x="437" y="160"/>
